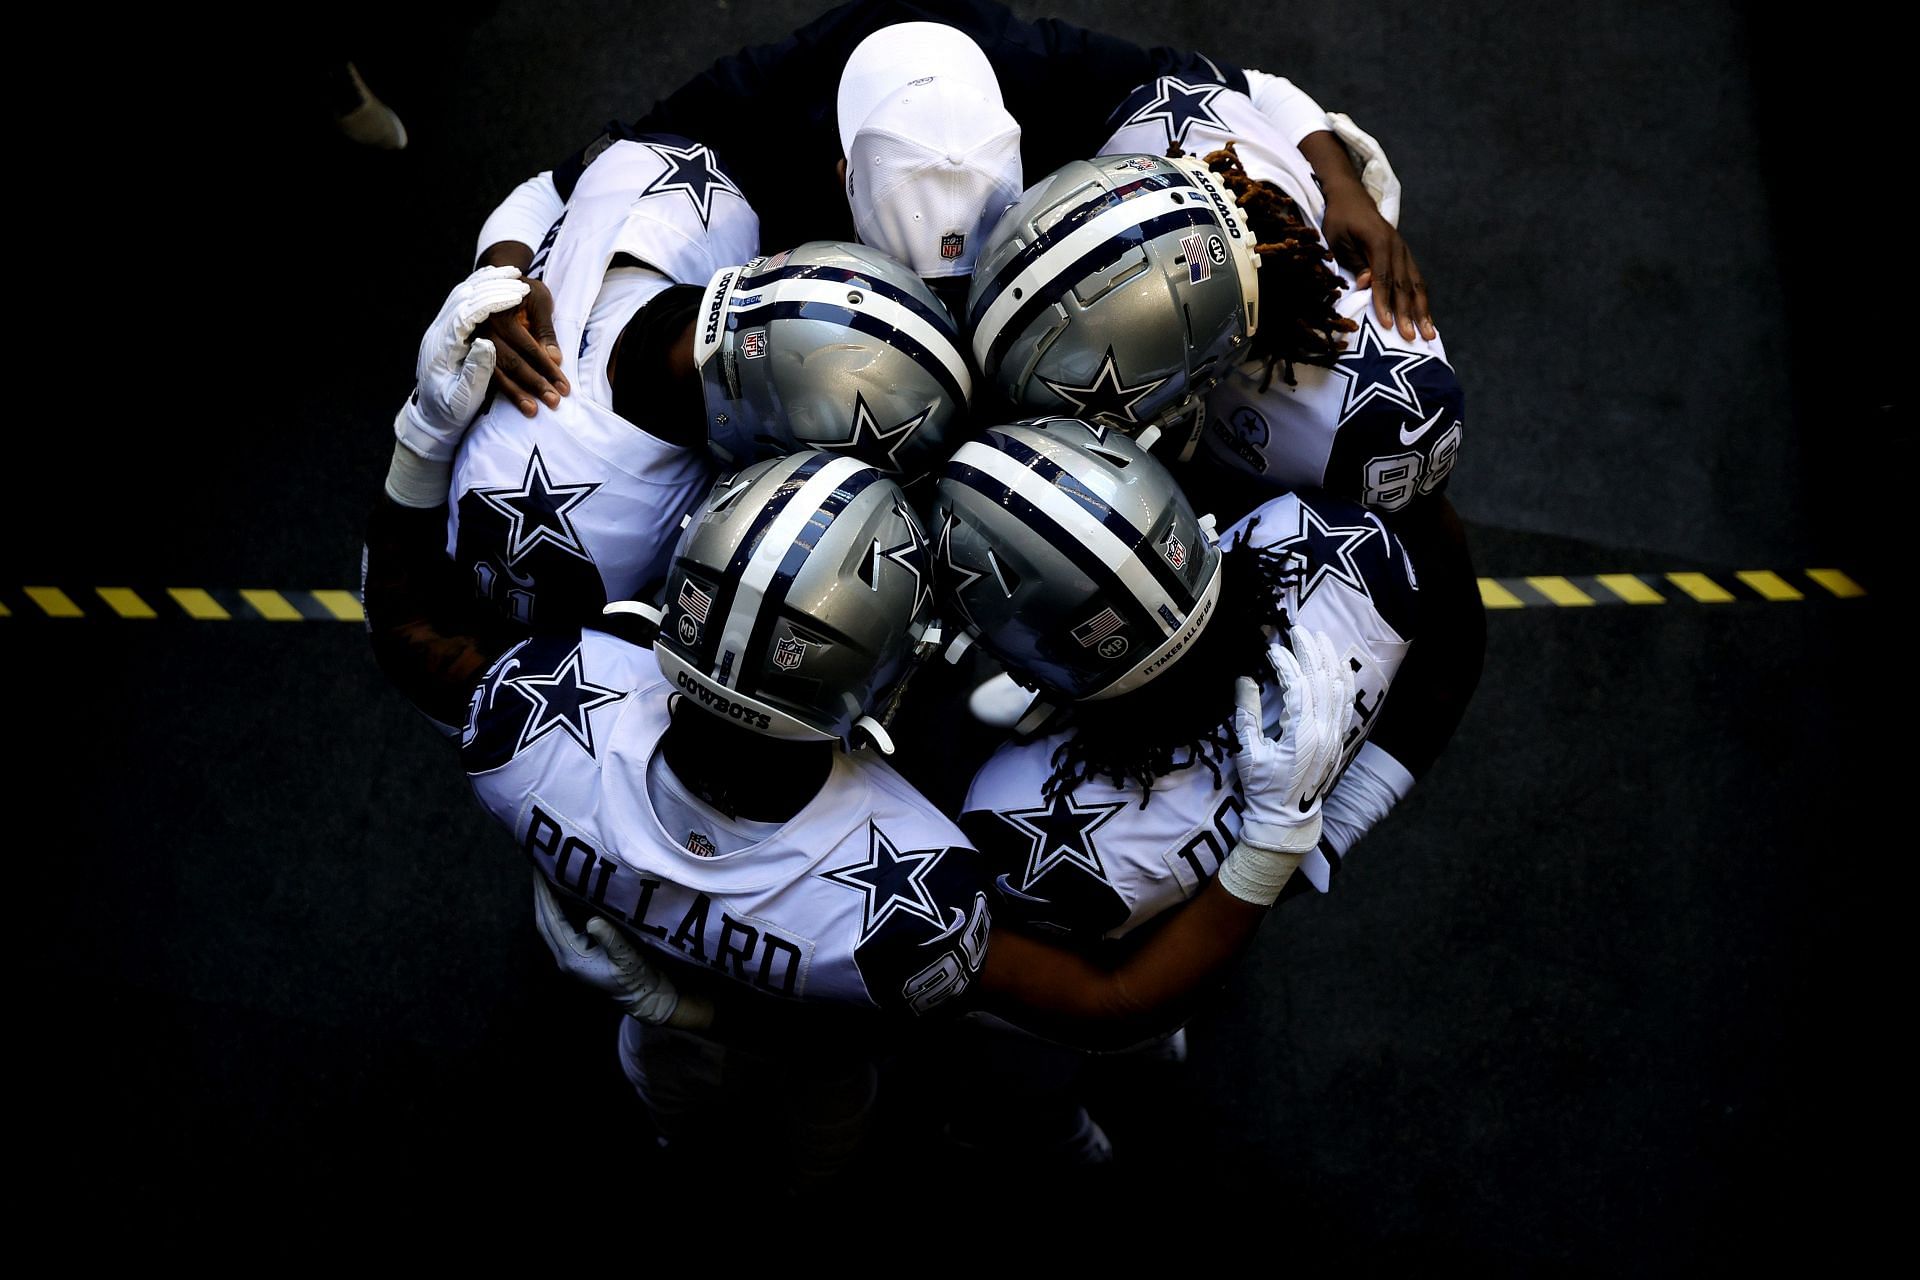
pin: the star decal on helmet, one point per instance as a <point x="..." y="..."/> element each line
<point x="694" y="171"/>
<point x="867" y="442"/>
<point x="912" y="556"/>
<point x="1107" y="394"/>
<point x="1177" y="105"/>
<point x="538" y="511"/>
<point x="1375" y="371"/>
<point x="1325" y="552"/>
<point x="890" y="882"/>
<point x="562" y="701"/>
<point x="1061" y="833"/>
<point x="958" y="577"/>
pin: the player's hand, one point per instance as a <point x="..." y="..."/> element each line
<point x="1283" y="780"/>
<point x="528" y="367"/>
<point x="602" y="958"/>
<point x="453" y="366"/>
<point x="1365" y="243"/>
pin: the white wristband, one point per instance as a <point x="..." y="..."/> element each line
<point x="1257" y="875"/>
<point x="412" y="481"/>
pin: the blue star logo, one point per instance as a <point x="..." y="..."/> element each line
<point x="910" y="555"/>
<point x="562" y="701"/>
<point x="694" y="171"/>
<point x="538" y="511"/>
<point x="1062" y="834"/>
<point x="1178" y="105"/>
<point x="869" y="443"/>
<point x="891" y="883"/>
<point x="1108" y="394"/>
<point x="1375" y="371"/>
<point x="1325" y="552"/>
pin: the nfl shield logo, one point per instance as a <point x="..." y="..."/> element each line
<point x="754" y="345"/>
<point x="1174" y="551"/>
<point x="699" y="845"/>
<point x="787" y="653"/>
<point x="952" y="246"/>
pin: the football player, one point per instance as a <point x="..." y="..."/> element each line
<point x="1073" y="557"/>
<point x="678" y="356"/>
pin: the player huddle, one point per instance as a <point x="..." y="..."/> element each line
<point x="799" y="541"/>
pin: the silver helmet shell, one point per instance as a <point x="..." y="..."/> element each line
<point x="1117" y="290"/>
<point x="1071" y="555"/>
<point x="796" y="595"/>
<point x="830" y="346"/>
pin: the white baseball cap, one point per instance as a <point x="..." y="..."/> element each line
<point x="897" y="55"/>
<point x="930" y="171"/>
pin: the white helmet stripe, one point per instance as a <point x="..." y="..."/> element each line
<point x="1128" y="213"/>
<point x="773" y="548"/>
<point x="833" y="293"/>
<point x="1075" y="520"/>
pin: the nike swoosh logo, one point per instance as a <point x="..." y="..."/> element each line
<point x="1005" y="886"/>
<point x="1408" y="437"/>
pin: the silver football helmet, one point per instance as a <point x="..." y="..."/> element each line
<point x="796" y="596"/>
<point x="830" y="346"/>
<point x="1117" y="290"/>
<point x="1072" y="556"/>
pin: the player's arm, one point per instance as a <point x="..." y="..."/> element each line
<point x="1366" y="243"/>
<point x="1062" y="995"/>
<point x="1442" y="669"/>
<point x="428" y="635"/>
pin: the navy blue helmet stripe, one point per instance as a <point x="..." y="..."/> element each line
<point x="864" y="323"/>
<point x="939" y="319"/>
<point x="1075" y="218"/>
<point x="1121" y="527"/>
<point x="773" y="600"/>
<point x="1133" y="610"/>
<point x="1069" y="276"/>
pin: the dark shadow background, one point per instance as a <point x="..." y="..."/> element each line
<point x="1608" y="993"/>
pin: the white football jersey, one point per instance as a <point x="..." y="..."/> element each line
<point x="867" y="897"/>
<point x="1384" y="425"/>
<point x="555" y="515"/>
<point x="1094" y="863"/>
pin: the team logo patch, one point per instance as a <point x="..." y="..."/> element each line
<point x="1198" y="268"/>
<point x="694" y="601"/>
<point x="699" y="845"/>
<point x="1098" y="628"/>
<point x="1113" y="646"/>
<point x="754" y="345"/>
<point x="1217" y="251"/>
<point x="952" y="246"/>
<point x="1175" y="551"/>
<point x="788" y="652"/>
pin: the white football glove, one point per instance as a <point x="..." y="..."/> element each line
<point x="1284" y="780"/>
<point x="1370" y="162"/>
<point x="604" y="959"/>
<point x="451" y="376"/>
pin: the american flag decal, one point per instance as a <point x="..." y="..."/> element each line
<point x="1097" y="628"/>
<point x="694" y="601"/>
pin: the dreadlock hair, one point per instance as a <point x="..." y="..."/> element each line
<point x="1184" y="716"/>
<point x="1298" y="323"/>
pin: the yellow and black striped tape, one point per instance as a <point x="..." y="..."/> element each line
<point x="1555" y="591"/>
<point x="261" y="604"/>
<point x="200" y="604"/>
